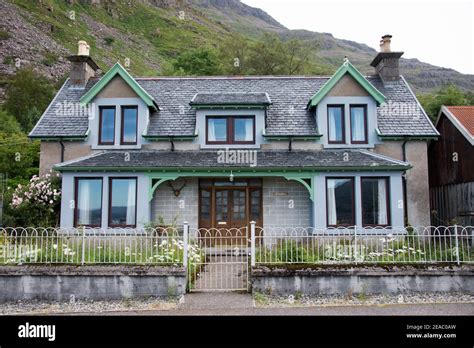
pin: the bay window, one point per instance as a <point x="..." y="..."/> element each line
<point x="129" y="125"/>
<point x="340" y="202"/>
<point x="230" y="129"/>
<point x="122" y="202"/>
<point x="358" y="124"/>
<point x="336" y="126"/>
<point x="375" y="201"/>
<point x="106" y="125"/>
<point x="88" y="202"/>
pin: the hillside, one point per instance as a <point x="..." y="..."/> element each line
<point x="150" y="34"/>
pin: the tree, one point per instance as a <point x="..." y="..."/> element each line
<point x="200" y="61"/>
<point x="19" y="156"/>
<point x="268" y="56"/>
<point x="449" y="95"/>
<point x="27" y="95"/>
<point x="233" y="55"/>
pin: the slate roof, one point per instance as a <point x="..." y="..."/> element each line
<point x="231" y="99"/>
<point x="326" y="159"/>
<point x="288" y="115"/>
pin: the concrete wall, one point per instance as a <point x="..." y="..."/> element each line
<point x="373" y="280"/>
<point x="59" y="283"/>
<point x="184" y="207"/>
<point x="285" y="203"/>
<point x="50" y="153"/>
<point x="418" y="205"/>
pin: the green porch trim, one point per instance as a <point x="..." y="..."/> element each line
<point x="299" y="177"/>
<point x="409" y="137"/>
<point x="68" y="138"/>
<point x="118" y="69"/>
<point x="346" y="68"/>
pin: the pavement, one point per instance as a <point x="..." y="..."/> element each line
<point x="241" y="304"/>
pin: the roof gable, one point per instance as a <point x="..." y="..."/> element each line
<point x="346" y="68"/>
<point x="119" y="70"/>
<point x="462" y="117"/>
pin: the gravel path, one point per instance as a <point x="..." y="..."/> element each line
<point x="26" y="307"/>
<point x="226" y="302"/>
<point x="266" y="301"/>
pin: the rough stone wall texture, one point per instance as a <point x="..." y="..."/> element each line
<point x="285" y="204"/>
<point x="185" y="207"/>
<point x="58" y="283"/>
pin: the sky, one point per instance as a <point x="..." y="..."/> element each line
<point x="436" y="32"/>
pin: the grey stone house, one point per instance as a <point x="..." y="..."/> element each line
<point x="284" y="151"/>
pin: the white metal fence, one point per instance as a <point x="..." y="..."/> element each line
<point x="351" y="245"/>
<point x="91" y="246"/>
<point x="200" y="247"/>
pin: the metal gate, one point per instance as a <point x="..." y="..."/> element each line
<point x="218" y="259"/>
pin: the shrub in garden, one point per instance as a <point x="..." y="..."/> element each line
<point x="36" y="204"/>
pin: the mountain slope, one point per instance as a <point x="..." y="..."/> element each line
<point x="424" y="77"/>
<point x="150" y="34"/>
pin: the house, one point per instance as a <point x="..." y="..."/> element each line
<point x="284" y="151"/>
<point x="451" y="163"/>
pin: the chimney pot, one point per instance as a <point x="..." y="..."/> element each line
<point x="385" y="43"/>
<point x="83" y="48"/>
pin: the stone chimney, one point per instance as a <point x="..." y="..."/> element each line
<point x="386" y="62"/>
<point x="83" y="67"/>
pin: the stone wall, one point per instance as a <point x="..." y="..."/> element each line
<point x="362" y="280"/>
<point x="285" y="204"/>
<point x="59" y="283"/>
<point x="184" y="207"/>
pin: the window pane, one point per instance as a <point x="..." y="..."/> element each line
<point x="358" y="124"/>
<point x="89" y="202"/>
<point x="255" y="199"/>
<point x="243" y="129"/>
<point x="374" y="201"/>
<point x="216" y="129"/>
<point x="205" y="205"/>
<point x="335" y="124"/>
<point x="129" y="130"/>
<point x="340" y="202"/>
<point x="107" y="132"/>
<point x="122" y="205"/>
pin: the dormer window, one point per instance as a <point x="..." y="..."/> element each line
<point x="336" y="126"/>
<point x="230" y="130"/>
<point x="106" y="125"/>
<point x="358" y="124"/>
<point x="129" y="125"/>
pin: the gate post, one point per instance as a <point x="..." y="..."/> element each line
<point x="83" y="252"/>
<point x="252" y="243"/>
<point x="185" y="243"/>
<point x="457" y="243"/>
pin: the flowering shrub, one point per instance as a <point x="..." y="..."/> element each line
<point x="37" y="203"/>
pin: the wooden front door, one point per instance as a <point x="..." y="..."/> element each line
<point x="228" y="207"/>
